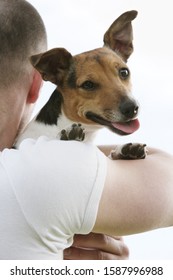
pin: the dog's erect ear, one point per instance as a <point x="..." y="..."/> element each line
<point x="119" y="36"/>
<point x="52" y="64"/>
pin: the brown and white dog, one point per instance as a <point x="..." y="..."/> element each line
<point x="93" y="89"/>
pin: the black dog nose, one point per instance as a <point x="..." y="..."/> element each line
<point x="129" y="108"/>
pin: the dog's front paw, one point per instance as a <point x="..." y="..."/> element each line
<point x="129" y="151"/>
<point x="75" y="132"/>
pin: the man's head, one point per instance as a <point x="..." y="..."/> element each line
<point x="22" y="34"/>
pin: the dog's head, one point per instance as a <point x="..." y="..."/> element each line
<point x="95" y="85"/>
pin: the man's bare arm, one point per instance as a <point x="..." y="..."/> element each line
<point x="138" y="195"/>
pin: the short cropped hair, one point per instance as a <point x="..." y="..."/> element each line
<point x="22" y="34"/>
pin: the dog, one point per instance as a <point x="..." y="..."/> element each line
<point x="93" y="91"/>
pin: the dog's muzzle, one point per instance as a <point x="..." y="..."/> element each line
<point x="128" y="110"/>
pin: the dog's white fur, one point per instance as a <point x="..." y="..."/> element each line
<point x="35" y="129"/>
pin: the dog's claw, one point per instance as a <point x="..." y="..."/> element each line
<point x="64" y="135"/>
<point x="75" y="132"/>
<point x="129" y="151"/>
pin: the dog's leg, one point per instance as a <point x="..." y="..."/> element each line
<point x="129" y="151"/>
<point x="75" y="132"/>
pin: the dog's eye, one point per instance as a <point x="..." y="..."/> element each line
<point x="88" y="85"/>
<point x="124" y="73"/>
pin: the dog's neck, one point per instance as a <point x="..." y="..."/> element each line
<point x="50" y="123"/>
<point x="36" y="129"/>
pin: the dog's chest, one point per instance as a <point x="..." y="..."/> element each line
<point x="35" y="129"/>
<point x="51" y="120"/>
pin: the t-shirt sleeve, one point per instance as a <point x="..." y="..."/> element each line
<point x="58" y="185"/>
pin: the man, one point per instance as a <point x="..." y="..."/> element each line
<point x="38" y="213"/>
<point x="22" y="34"/>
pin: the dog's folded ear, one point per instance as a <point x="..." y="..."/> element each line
<point x="52" y="64"/>
<point x="119" y="36"/>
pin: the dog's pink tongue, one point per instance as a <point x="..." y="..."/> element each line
<point x="127" y="127"/>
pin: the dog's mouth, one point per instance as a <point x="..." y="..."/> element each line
<point x="121" y="128"/>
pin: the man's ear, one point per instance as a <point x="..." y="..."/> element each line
<point x="52" y="64"/>
<point x="119" y="36"/>
<point x="35" y="88"/>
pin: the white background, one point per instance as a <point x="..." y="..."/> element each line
<point x="79" y="25"/>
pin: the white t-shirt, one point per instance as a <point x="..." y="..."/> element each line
<point x="49" y="190"/>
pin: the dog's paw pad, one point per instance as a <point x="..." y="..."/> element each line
<point x="129" y="151"/>
<point x="75" y="132"/>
